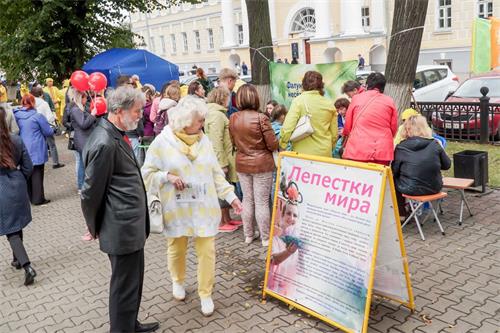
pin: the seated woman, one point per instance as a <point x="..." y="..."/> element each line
<point x="418" y="160"/>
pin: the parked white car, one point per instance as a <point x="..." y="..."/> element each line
<point x="433" y="83"/>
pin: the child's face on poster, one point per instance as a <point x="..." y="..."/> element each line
<point x="291" y="215"/>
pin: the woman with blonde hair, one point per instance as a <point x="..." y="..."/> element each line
<point x="418" y="160"/>
<point x="217" y="130"/>
<point x="182" y="169"/>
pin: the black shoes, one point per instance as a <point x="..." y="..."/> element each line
<point x="15" y="264"/>
<point x="46" y="201"/>
<point x="57" y="166"/>
<point x="29" y="275"/>
<point x="147" y="327"/>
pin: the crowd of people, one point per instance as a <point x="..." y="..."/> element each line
<point x="202" y="150"/>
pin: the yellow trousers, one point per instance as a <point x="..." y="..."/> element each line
<point x="205" y="252"/>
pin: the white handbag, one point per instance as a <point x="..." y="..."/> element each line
<point x="303" y="129"/>
<point x="155" y="214"/>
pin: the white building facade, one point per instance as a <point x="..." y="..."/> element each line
<point x="214" y="34"/>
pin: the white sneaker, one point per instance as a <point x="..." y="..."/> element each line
<point x="207" y="306"/>
<point x="265" y="243"/>
<point x="249" y="240"/>
<point x="178" y="291"/>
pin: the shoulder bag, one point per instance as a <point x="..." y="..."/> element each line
<point x="155" y="214"/>
<point x="303" y="129"/>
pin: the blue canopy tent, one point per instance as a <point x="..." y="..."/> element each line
<point x="150" y="68"/>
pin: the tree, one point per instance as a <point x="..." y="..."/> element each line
<point x="260" y="43"/>
<point x="404" y="47"/>
<point x="53" y="38"/>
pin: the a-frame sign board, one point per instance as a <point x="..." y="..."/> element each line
<point x="336" y="240"/>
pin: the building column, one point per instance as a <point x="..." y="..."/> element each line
<point x="377" y="16"/>
<point x="244" y="22"/>
<point x="351" y="18"/>
<point x="272" y="18"/>
<point x="322" y="15"/>
<point x="228" y="26"/>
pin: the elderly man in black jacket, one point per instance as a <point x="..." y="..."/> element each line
<point x="114" y="205"/>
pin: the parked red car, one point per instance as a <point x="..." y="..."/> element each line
<point x="467" y="123"/>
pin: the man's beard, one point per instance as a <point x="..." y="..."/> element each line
<point x="129" y="124"/>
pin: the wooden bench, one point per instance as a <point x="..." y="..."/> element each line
<point x="459" y="184"/>
<point x="416" y="202"/>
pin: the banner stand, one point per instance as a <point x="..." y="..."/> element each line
<point x="346" y="240"/>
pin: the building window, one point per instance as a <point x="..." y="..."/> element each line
<point x="174" y="44"/>
<point x="304" y="21"/>
<point x="163" y="47"/>
<point x="210" y="39"/>
<point x="240" y="34"/>
<point x="485" y="8"/>
<point x="444" y="14"/>
<point x="221" y="35"/>
<point x="365" y="17"/>
<point x="197" y="40"/>
<point x="185" y="40"/>
<point x="152" y="44"/>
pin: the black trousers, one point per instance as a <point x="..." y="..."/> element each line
<point x="125" y="292"/>
<point x="17" y="246"/>
<point x="35" y="185"/>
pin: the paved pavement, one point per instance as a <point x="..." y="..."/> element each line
<point x="456" y="278"/>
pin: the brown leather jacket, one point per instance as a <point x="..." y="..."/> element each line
<point x="254" y="138"/>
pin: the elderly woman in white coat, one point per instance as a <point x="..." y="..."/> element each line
<point x="182" y="169"/>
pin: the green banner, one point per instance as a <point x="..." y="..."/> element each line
<point x="286" y="80"/>
<point x="481" y="46"/>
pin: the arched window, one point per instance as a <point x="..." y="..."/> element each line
<point x="304" y="21"/>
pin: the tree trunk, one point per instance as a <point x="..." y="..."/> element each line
<point x="404" y="48"/>
<point x="261" y="46"/>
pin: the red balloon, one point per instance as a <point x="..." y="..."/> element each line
<point x="80" y="80"/>
<point x="97" y="81"/>
<point x="99" y="103"/>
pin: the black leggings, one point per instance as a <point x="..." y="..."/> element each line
<point x="18" y="251"/>
<point x="35" y="185"/>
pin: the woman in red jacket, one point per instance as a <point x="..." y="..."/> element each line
<point x="371" y="123"/>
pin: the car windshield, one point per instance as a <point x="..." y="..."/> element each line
<point x="470" y="88"/>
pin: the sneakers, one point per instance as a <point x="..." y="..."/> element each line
<point x="178" y="291"/>
<point x="249" y="240"/>
<point x="265" y="243"/>
<point x="207" y="306"/>
<point x="227" y="228"/>
<point x="58" y="165"/>
<point x="236" y="222"/>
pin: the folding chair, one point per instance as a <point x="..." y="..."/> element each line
<point x="459" y="184"/>
<point x="416" y="202"/>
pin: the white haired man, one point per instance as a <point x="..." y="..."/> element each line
<point x="120" y="222"/>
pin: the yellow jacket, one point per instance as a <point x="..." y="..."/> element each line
<point x="54" y="94"/>
<point x="3" y="94"/>
<point x="217" y="130"/>
<point x="323" y="120"/>
<point x="197" y="218"/>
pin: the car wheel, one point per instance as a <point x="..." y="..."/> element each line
<point x="496" y="137"/>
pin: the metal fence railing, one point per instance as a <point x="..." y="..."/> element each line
<point x="464" y="121"/>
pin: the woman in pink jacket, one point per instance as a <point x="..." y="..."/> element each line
<point x="371" y="123"/>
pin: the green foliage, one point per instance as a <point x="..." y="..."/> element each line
<point x="41" y="38"/>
